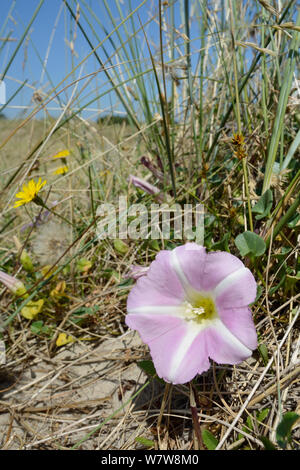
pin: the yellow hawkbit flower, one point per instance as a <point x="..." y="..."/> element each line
<point x="61" y="170"/>
<point x="62" y="154"/>
<point x="29" y="192"/>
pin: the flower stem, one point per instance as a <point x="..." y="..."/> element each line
<point x="60" y="216"/>
<point x="195" y="419"/>
<point x="163" y="405"/>
<point x="40" y="202"/>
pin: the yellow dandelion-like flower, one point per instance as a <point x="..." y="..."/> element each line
<point x="61" y="170"/>
<point x="62" y="154"/>
<point x="29" y="192"/>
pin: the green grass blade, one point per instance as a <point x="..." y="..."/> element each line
<point x="282" y="104"/>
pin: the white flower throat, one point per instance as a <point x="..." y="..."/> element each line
<point x="200" y="309"/>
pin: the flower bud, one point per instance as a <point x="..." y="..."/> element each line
<point x="26" y="262"/>
<point x="13" y="284"/>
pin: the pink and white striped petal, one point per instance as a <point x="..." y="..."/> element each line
<point x="160" y="286"/>
<point x="223" y="346"/>
<point x="239" y="321"/>
<point x="238" y="289"/>
<point x="180" y="354"/>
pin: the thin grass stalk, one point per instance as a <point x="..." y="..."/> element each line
<point x="190" y="81"/>
<point x="284" y="219"/>
<point x="281" y="108"/>
<point x="21" y="39"/>
<point x="13" y="95"/>
<point x="239" y="124"/>
<point x="264" y="92"/>
<point x="120" y="96"/>
<point x="278" y="209"/>
<point x="106" y="420"/>
<point x="292" y="150"/>
<point x="166" y="129"/>
<point x="8" y="16"/>
<point x="61" y="124"/>
<point x="244" y="82"/>
<point x="202" y="55"/>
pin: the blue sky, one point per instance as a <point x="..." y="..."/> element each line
<point x="53" y="23"/>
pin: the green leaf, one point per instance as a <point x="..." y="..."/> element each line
<point x="263" y="351"/>
<point x="83" y="265"/>
<point x="144" y="441"/>
<point x="284" y="428"/>
<point x="294" y="221"/>
<point x="250" y="243"/>
<point x="120" y="246"/>
<point x="277" y="286"/>
<point x="222" y="244"/>
<point x="268" y="445"/>
<point x="36" y="327"/>
<point x="209" y="439"/>
<point x="126" y="283"/>
<point x="249" y="423"/>
<point x="148" y="367"/>
<point x="259" y="292"/>
<point x="264" y="205"/>
<point x="261" y="415"/>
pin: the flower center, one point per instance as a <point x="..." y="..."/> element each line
<point x="201" y="309"/>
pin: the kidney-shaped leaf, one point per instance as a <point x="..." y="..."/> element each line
<point x="250" y="243"/>
<point x="264" y="204"/>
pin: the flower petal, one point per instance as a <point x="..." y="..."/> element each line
<point x="31" y="187"/>
<point x="190" y="358"/>
<point x="218" y="266"/>
<point x="223" y="346"/>
<point x="239" y="322"/>
<point x="160" y="286"/>
<point x="203" y="271"/>
<point x="21" y="195"/>
<point x="178" y="350"/>
<point x="19" y="203"/>
<point x="188" y="261"/>
<point x="238" y="289"/>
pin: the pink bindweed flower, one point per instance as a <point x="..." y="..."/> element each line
<point x="13" y="284"/>
<point x="136" y="271"/>
<point x="156" y="172"/>
<point x="192" y="306"/>
<point x="145" y="186"/>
